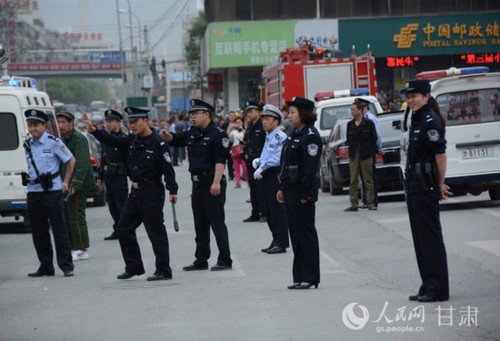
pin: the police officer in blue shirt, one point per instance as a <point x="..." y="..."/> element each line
<point x="208" y="148"/>
<point x="113" y="170"/>
<point x="267" y="169"/>
<point x="424" y="184"/>
<point x="148" y="159"/>
<point x="44" y="155"/>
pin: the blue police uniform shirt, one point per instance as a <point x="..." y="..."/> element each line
<point x="49" y="152"/>
<point x="271" y="152"/>
<point x="374" y="119"/>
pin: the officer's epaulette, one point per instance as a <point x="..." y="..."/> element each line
<point x="160" y="139"/>
<point x="52" y="137"/>
<point x="311" y="132"/>
<point x="220" y="129"/>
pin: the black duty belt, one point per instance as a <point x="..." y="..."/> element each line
<point x="146" y="184"/>
<point x="202" y="176"/>
<point x="37" y="180"/>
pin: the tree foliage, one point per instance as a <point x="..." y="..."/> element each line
<point x="195" y="34"/>
<point x="78" y="91"/>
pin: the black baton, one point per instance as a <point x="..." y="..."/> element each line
<point x="176" y="224"/>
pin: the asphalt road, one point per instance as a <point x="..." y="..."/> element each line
<point x="368" y="270"/>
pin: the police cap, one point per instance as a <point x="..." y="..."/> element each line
<point x="36" y="115"/>
<point x="271" y="110"/>
<point x="66" y="114"/>
<point x="253" y="105"/>
<point x="417" y="85"/>
<point x="361" y="102"/>
<point x="111" y="114"/>
<point x="199" y="105"/>
<point x="301" y="103"/>
<point x="135" y="113"/>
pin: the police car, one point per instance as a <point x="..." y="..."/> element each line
<point x="469" y="99"/>
<point x="17" y="94"/>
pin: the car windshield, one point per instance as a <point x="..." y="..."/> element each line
<point x="470" y="106"/>
<point x="330" y="115"/>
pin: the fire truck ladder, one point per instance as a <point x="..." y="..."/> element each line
<point x="362" y="68"/>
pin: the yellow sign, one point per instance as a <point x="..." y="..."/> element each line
<point x="406" y="37"/>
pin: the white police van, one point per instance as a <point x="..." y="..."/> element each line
<point x="17" y="94"/>
<point x="469" y="99"/>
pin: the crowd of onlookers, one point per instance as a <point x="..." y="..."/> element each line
<point x="390" y="100"/>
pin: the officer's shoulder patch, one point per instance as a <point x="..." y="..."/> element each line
<point x="166" y="156"/>
<point x="225" y="142"/>
<point x="433" y="135"/>
<point x="312" y="149"/>
<point x="64" y="149"/>
<point x="52" y="137"/>
<point x="277" y="137"/>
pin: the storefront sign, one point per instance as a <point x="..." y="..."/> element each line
<point x="436" y="35"/>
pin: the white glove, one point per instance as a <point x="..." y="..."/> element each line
<point x="258" y="174"/>
<point x="256" y="163"/>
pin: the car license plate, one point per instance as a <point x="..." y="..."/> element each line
<point x="477" y="153"/>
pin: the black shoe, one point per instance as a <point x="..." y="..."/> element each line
<point x="351" y="209"/>
<point x="413" y="297"/>
<point x="262" y="219"/>
<point x="127" y="275"/>
<point x="276" y="249"/>
<point x="372" y="207"/>
<point x="41" y="272"/>
<point x="429" y="299"/>
<point x="267" y="248"/>
<point x="306" y="286"/>
<point x="220" y="267"/>
<point x="364" y="206"/>
<point x="194" y="267"/>
<point x="112" y="236"/>
<point x="159" y="277"/>
<point x="248" y="201"/>
<point x="293" y="286"/>
<point x="68" y="273"/>
<point x="250" y="219"/>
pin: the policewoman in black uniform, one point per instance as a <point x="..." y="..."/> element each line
<point x="113" y="171"/>
<point x="148" y="159"/>
<point x="208" y="148"/>
<point x="253" y="142"/>
<point x="44" y="155"/>
<point x="425" y="172"/>
<point x="299" y="191"/>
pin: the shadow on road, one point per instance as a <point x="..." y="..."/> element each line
<point x="14" y="227"/>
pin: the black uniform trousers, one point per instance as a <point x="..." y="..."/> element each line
<point x="144" y="206"/>
<point x="275" y="212"/>
<point x="256" y="192"/>
<point x="116" y="195"/>
<point x="304" y="237"/>
<point x="208" y="211"/>
<point x="423" y="209"/>
<point x="42" y="208"/>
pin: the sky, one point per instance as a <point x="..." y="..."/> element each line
<point x="165" y="18"/>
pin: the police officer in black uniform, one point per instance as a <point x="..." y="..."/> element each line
<point x="425" y="172"/>
<point x="299" y="191"/>
<point x="44" y="155"/>
<point x="208" y="148"/>
<point x="113" y="171"/>
<point x="148" y="159"/>
<point x="253" y="141"/>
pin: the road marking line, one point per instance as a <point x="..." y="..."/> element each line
<point x="491" y="246"/>
<point x="329" y="266"/>
<point x="393" y="220"/>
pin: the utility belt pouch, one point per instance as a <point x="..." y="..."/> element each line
<point x="24" y="178"/>
<point x="46" y="181"/>
<point x="293" y="174"/>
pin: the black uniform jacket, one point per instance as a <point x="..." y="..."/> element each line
<point x="254" y="139"/>
<point x="113" y="159"/>
<point x="362" y="138"/>
<point x="206" y="147"/>
<point x="148" y="158"/>
<point x="303" y="149"/>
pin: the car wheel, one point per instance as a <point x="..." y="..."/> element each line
<point x="494" y="194"/>
<point x="322" y="183"/>
<point x="334" y="188"/>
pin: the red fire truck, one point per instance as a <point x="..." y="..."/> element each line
<point x="302" y="72"/>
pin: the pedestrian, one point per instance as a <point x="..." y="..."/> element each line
<point x="424" y="184"/>
<point x="366" y="113"/>
<point x="148" y="159"/>
<point x="82" y="183"/>
<point x="286" y="124"/>
<point x="253" y="142"/>
<point x="236" y="134"/>
<point x="267" y="172"/>
<point x="113" y="171"/>
<point x="44" y="155"/>
<point x="228" y="126"/>
<point x="362" y="140"/>
<point x="299" y="191"/>
<point x="208" y="148"/>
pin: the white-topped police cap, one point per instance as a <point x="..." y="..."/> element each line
<point x="253" y="105"/>
<point x="271" y="110"/>
<point x="111" y="114"/>
<point x="136" y="113"/>
<point x="36" y="115"/>
<point x="199" y="105"/>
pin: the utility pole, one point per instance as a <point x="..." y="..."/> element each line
<point x="122" y="62"/>
<point x="150" y="76"/>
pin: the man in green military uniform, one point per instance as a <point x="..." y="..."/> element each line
<point x="82" y="183"/>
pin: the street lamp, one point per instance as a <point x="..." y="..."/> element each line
<point x="132" y="50"/>
<point x="122" y="62"/>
